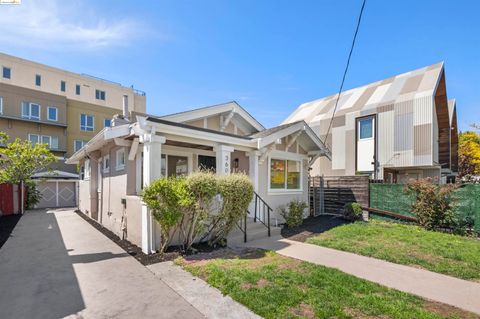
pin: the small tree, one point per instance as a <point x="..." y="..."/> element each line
<point x="21" y="159"/>
<point x="469" y="154"/>
<point x="167" y="198"/>
<point x="202" y="187"/>
<point x="434" y="204"/>
<point x="236" y="191"/>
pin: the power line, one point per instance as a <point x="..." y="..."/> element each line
<point x="346" y="69"/>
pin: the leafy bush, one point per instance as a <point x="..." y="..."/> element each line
<point x="236" y="191"/>
<point x="434" y="204"/>
<point x="167" y="198"/>
<point x="202" y="187"/>
<point x="293" y="212"/>
<point x="33" y="194"/>
<point x="352" y="211"/>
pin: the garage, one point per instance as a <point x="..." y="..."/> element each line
<point x="57" y="193"/>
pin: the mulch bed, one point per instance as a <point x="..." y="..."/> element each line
<point x="312" y="226"/>
<point x="7" y="224"/>
<point x="133" y="250"/>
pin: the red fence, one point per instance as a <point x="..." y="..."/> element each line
<point x="10" y="199"/>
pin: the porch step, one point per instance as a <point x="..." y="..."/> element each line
<point x="254" y="231"/>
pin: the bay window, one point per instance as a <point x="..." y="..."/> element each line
<point x="285" y="174"/>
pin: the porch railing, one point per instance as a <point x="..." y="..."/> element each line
<point x="261" y="211"/>
<point x="242" y="225"/>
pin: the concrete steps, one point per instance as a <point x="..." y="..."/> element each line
<point x="254" y="231"/>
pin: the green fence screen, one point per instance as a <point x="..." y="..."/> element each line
<point x="391" y="197"/>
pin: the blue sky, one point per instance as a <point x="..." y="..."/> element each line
<point x="270" y="56"/>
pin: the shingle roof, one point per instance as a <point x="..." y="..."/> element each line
<point x="402" y="87"/>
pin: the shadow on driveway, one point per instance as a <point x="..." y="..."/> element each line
<point x="36" y="273"/>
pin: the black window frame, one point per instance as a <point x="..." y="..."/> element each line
<point x="38" y="80"/>
<point x="4" y="69"/>
<point x="63" y="86"/>
<point x="77" y="89"/>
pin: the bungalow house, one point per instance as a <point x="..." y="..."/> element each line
<point x="120" y="160"/>
<point x="395" y="129"/>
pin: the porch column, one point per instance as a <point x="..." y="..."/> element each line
<point x="253" y="157"/>
<point x="223" y="153"/>
<point x="152" y="152"/>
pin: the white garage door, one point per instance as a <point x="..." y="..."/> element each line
<point x="61" y="193"/>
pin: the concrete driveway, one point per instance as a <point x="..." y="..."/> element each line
<point x="56" y="265"/>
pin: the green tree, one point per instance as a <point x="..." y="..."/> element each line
<point x="20" y="160"/>
<point x="469" y="154"/>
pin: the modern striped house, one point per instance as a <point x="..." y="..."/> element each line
<point x="396" y="129"/>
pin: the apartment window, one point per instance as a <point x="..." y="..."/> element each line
<point x="1" y="105"/>
<point x="365" y="128"/>
<point x="31" y="111"/>
<point x="120" y="159"/>
<point x="107" y="122"/>
<point x="285" y="174"/>
<point x="52" y="113"/>
<point x="77" y="89"/>
<point x="63" y="86"/>
<point x="78" y="144"/>
<point x="6" y="72"/>
<point x="86" y="122"/>
<point x="51" y="141"/>
<point x="38" y="79"/>
<point x="87" y="169"/>
<point x="34" y="138"/>
<point x="106" y="163"/>
<point x="100" y="95"/>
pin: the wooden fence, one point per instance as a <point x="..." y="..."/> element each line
<point x="329" y="194"/>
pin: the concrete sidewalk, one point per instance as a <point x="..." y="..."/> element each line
<point x="57" y="265"/>
<point x="441" y="288"/>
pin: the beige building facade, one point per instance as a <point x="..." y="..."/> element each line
<point x="63" y="109"/>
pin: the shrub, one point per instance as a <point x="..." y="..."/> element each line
<point x="202" y="187"/>
<point x="293" y="212"/>
<point x="434" y="204"/>
<point x="236" y="191"/>
<point x="167" y="198"/>
<point x="33" y="194"/>
<point x="352" y="211"/>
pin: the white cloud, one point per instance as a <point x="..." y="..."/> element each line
<point x="63" y="25"/>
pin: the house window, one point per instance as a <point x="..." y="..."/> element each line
<point x="107" y="122"/>
<point x="1" y="105"/>
<point x="6" y="72"/>
<point x="77" y="89"/>
<point x="33" y="138"/>
<point x="86" y="122"/>
<point x="87" y="169"/>
<point x="51" y="141"/>
<point x="106" y="163"/>
<point x="173" y="166"/>
<point x="52" y="113"/>
<point x="365" y="128"/>
<point x="78" y="144"/>
<point x="120" y="159"/>
<point x="38" y="79"/>
<point x="285" y="174"/>
<point x="30" y="111"/>
<point x="63" y="86"/>
<point x="100" y="95"/>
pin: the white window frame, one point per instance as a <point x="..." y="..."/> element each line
<point x="56" y="113"/>
<point x="38" y="138"/>
<point x="106" y="163"/>
<point x="85" y="128"/>
<point x="86" y="169"/>
<point x="50" y="141"/>
<point x="75" y="143"/>
<point x="359" y="120"/>
<point x="1" y="104"/>
<point x="188" y="155"/>
<point x="285" y="156"/>
<point x="29" y="115"/>
<point x="100" y="95"/>
<point x="119" y="166"/>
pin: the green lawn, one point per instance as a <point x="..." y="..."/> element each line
<point x="408" y="245"/>
<point x="275" y="286"/>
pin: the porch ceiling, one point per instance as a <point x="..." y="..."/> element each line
<point x="188" y="145"/>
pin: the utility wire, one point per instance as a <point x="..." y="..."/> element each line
<point x="346" y="70"/>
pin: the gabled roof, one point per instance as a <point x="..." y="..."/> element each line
<point x="402" y="87"/>
<point x="212" y="110"/>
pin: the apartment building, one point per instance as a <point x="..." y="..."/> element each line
<point x="63" y="109"/>
<point x="58" y="107"/>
